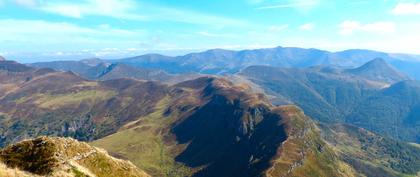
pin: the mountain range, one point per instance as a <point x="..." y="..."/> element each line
<point x="310" y="118"/>
<point x="202" y="127"/>
<point x="218" y="61"/>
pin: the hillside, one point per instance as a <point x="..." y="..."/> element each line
<point x="324" y="95"/>
<point x="73" y="66"/>
<point x="97" y="69"/>
<point x="371" y="154"/>
<point x="208" y="126"/>
<point x="117" y="71"/>
<point x="46" y="156"/>
<point x="393" y="111"/>
<point x="12" y="66"/>
<point x="165" y="130"/>
<point x="335" y="95"/>
<point x="378" y="70"/>
<point x="45" y="102"/>
<point x="230" y="133"/>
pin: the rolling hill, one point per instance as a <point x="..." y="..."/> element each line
<point x="96" y="69"/>
<point x="374" y="96"/>
<point x="168" y="130"/>
<point x="378" y="70"/>
<point x="370" y="154"/>
<point x="208" y="126"/>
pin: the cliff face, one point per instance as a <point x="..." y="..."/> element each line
<point x="46" y="156"/>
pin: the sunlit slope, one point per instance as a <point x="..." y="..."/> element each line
<point x="47" y="156"/>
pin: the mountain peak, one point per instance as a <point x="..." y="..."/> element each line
<point x="377" y="62"/>
<point x="13" y="66"/>
<point x="92" y="61"/>
<point x="2" y="58"/>
<point x="379" y="70"/>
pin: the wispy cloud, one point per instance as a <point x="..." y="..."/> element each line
<point x="27" y="3"/>
<point x="291" y="4"/>
<point x="255" y="1"/>
<point x="218" y="35"/>
<point x="40" y="35"/>
<point x="128" y="10"/>
<point x="277" y="28"/>
<point x="124" y="9"/>
<point x="349" y="27"/>
<point x="404" y="8"/>
<point x="360" y="2"/>
<point x="307" y="27"/>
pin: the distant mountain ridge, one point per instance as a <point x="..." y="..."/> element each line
<point x="219" y="61"/>
<point x="378" y="70"/>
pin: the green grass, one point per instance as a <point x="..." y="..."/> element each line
<point x="77" y="173"/>
<point x="142" y="143"/>
<point x="359" y="146"/>
<point x="55" y="101"/>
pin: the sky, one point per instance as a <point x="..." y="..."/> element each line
<point x="44" y="30"/>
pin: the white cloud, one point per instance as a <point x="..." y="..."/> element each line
<point x="298" y="4"/>
<point x="404" y="8"/>
<point x="220" y="35"/>
<point x="39" y="35"/>
<point x="27" y="3"/>
<point x="277" y="28"/>
<point x="255" y="1"/>
<point x="131" y="10"/>
<point x="123" y="9"/>
<point x="349" y="27"/>
<point x="307" y="27"/>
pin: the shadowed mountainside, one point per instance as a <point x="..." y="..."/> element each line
<point x="228" y="133"/>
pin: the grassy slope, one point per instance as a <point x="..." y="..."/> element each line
<point x="304" y="153"/>
<point x="65" y="157"/>
<point x="55" y="101"/>
<point x="13" y="172"/>
<point x="145" y="144"/>
<point x="142" y="142"/>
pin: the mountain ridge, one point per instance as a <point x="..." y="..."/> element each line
<point x="333" y="95"/>
<point x="219" y="61"/>
<point x="379" y="70"/>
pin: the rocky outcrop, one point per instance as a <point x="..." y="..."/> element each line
<point x="46" y="156"/>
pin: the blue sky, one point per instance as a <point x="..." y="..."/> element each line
<point x="56" y="29"/>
